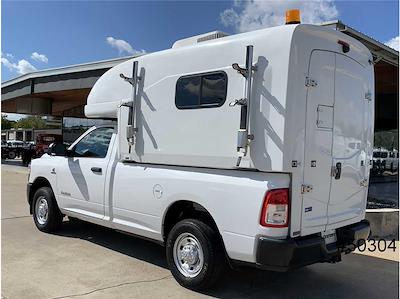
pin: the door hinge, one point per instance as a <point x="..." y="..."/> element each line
<point x="310" y="82"/>
<point x="240" y="102"/>
<point x="364" y="183"/>
<point x="306" y="189"/>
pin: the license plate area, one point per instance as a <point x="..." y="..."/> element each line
<point x="329" y="236"/>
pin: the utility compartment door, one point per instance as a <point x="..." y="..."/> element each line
<point x="318" y="142"/>
<point x="348" y="189"/>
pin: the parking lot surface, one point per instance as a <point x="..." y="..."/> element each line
<point x="88" y="261"/>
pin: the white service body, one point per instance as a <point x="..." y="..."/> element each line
<point x="312" y="107"/>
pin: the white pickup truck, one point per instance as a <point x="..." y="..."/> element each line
<point x="277" y="184"/>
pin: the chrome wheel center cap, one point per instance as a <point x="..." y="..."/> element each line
<point x="42" y="210"/>
<point x="190" y="254"/>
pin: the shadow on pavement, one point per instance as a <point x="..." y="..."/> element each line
<point x="117" y="241"/>
<point x="356" y="277"/>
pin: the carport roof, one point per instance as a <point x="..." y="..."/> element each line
<point x="53" y="91"/>
<point x="379" y="50"/>
<point x="84" y="67"/>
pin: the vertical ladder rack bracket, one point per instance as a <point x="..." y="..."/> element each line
<point x="131" y="128"/>
<point x="244" y="137"/>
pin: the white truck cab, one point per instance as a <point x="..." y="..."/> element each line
<point x="248" y="149"/>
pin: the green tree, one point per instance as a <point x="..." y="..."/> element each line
<point x="29" y="122"/>
<point x="6" y="123"/>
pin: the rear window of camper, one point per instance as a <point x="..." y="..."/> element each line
<point x="201" y="90"/>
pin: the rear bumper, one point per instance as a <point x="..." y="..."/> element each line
<point x="283" y="255"/>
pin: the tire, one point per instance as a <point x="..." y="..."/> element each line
<point x="11" y="155"/>
<point x="200" y="273"/>
<point x="46" y="213"/>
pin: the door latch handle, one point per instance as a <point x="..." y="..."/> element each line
<point x="337" y="170"/>
<point x="96" y="169"/>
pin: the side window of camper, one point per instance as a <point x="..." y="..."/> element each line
<point x="201" y="91"/>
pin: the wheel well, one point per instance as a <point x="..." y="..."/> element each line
<point x="183" y="210"/>
<point x="38" y="183"/>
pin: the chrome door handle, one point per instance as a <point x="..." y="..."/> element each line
<point x="96" y="169"/>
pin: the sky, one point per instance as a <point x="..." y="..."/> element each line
<point x="38" y="35"/>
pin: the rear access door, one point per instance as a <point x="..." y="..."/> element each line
<point x="318" y="142"/>
<point x="352" y="142"/>
<point x="335" y="160"/>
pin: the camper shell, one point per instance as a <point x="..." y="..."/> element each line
<point x="293" y="126"/>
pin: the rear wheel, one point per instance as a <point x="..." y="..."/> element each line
<point x="195" y="254"/>
<point x="46" y="214"/>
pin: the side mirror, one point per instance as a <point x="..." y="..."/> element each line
<point x="69" y="153"/>
<point x="57" y="149"/>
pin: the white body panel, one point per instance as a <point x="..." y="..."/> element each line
<point x="320" y="103"/>
<point x="143" y="193"/>
<point x="191" y="154"/>
<point x="352" y="141"/>
<point x="337" y="131"/>
<point x="137" y="196"/>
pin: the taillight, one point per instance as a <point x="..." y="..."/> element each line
<point x="275" y="210"/>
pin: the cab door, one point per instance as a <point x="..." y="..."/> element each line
<point x="81" y="177"/>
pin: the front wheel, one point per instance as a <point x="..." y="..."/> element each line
<point x="195" y="254"/>
<point x="46" y="214"/>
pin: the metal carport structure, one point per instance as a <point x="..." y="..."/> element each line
<point x="57" y="92"/>
<point x="386" y="65"/>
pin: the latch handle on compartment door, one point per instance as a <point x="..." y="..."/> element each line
<point x="337" y="170"/>
<point x="131" y="128"/>
<point x="244" y="137"/>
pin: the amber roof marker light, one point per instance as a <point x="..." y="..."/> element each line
<point x="293" y="16"/>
